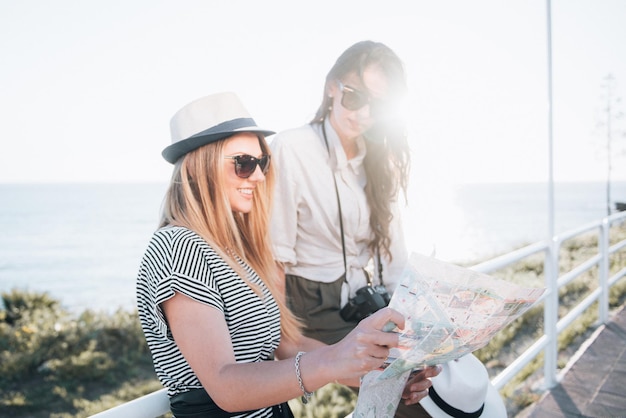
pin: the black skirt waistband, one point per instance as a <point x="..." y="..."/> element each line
<point x="196" y="403"/>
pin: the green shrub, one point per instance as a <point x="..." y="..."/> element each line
<point x="53" y="363"/>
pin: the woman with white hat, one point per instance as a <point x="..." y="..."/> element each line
<point x="221" y="338"/>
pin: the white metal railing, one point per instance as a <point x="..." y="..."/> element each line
<point x="157" y="403"/>
<point x="151" y="405"/>
<point x="553" y="326"/>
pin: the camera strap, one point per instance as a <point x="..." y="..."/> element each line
<point x="343" y="242"/>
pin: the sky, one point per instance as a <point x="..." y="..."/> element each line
<point x="87" y="88"/>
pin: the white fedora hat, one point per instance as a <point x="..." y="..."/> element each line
<point x="207" y="120"/>
<point x="463" y="389"/>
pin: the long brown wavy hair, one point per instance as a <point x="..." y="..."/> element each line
<point x="197" y="200"/>
<point x="387" y="161"/>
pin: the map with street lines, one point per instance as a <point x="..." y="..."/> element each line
<point x="450" y="311"/>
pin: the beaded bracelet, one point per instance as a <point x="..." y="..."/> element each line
<point x="306" y="395"/>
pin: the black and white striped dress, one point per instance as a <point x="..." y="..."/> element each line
<point x="179" y="260"/>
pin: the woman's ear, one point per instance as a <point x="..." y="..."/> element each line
<point x="331" y="89"/>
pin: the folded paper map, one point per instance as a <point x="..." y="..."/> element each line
<point x="449" y="311"/>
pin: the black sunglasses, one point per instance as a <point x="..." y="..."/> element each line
<point x="353" y="99"/>
<point x="246" y="164"/>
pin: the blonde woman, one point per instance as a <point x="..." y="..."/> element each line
<point x="222" y="341"/>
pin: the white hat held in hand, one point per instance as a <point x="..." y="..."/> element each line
<point x="463" y="389"/>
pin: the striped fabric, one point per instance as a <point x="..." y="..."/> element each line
<point x="179" y="260"/>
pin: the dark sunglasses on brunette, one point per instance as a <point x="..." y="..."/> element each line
<point x="246" y="164"/>
<point x="353" y="99"/>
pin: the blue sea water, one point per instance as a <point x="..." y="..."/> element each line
<point x="82" y="243"/>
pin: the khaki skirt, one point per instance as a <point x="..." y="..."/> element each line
<point x="318" y="305"/>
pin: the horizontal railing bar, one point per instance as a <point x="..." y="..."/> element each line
<point x="509" y="258"/>
<point x="616" y="247"/>
<point x="148" y="406"/>
<point x="577" y="310"/>
<point x="620" y="274"/>
<point x="519" y="363"/>
<point x="567" y="235"/>
<point x="578" y="270"/>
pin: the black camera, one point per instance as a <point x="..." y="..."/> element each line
<point x="367" y="300"/>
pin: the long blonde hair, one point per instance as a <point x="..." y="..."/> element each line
<point x="197" y="200"/>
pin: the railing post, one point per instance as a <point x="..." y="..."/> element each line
<point x="551" y="313"/>
<point x="603" y="273"/>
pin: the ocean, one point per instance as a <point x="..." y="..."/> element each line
<point x="82" y="243"/>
